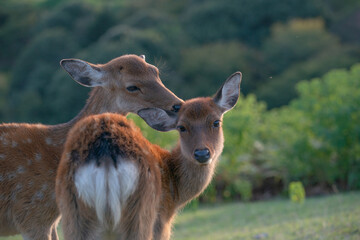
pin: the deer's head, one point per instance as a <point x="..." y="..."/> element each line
<point x="199" y="121"/>
<point x="130" y="82"/>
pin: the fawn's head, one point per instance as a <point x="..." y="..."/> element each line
<point x="199" y="121"/>
<point x="131" y="82"/>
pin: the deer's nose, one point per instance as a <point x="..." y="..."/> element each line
<point x="176" y="107"/>
<point x="202" y="155"/>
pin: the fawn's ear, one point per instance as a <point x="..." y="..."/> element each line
<point x="227" y="96"/>
<point x="82" y="72"/>
<point x="159" y="119"/>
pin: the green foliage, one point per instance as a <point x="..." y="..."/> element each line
<point x="333" y="106"/>
<point x="297" y="192"/>
<point x="15" y="33"/>
<point x="164" y="139"/>
<point x="299" y="50"/>
<point x="29" y="99"/>
<point x="211" y="64"/>
<point x="193" y="205"/>
<point x="241" y="166"/>
<point x="209" y="21"/>
<point x="239" y="187"/>
<point x="4" y="82"/>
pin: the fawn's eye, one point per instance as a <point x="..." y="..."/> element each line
<point x="216" y="123"/>
<point x="132" y="88"/>
<point x="181" y="128"/>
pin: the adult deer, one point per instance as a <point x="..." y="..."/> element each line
<point x="114" y="184"/>
<point x="30" y="153"/>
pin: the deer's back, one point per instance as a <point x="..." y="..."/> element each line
<point x="108" y="164"/>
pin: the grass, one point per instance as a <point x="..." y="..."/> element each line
<point x="332" y="217"/>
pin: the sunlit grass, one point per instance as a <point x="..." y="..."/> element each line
<point x="330" y="218"/>
<point x="333" y="217"/>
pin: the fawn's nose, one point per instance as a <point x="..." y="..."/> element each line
<point x="176" y="107"/>
<point x="202" y="155"/>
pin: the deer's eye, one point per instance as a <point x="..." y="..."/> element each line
<point x="216" y="123"/>
<point x="132" y="88"/>
<point x="181" y="128"/>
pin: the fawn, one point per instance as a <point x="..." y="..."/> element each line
<point x="114" y="184"/>
<point x="30" y="153"/>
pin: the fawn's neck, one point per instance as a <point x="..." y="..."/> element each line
<point x="187" y="179"/>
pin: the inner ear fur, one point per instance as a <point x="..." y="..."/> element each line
<point x="84" y="73"/>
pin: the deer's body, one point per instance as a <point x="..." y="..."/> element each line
<point x="30" y="153"/>
<point x="162" y="181"/>
<point x="108" y="178"/>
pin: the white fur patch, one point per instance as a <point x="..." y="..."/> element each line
<point x="14" y="144"/>
<point x="107" y="187"/>
<point x="48" y="141"/>
<point x="20" y="169"/>
<point x="37" y="157"/>
<point x="39" y="195"/>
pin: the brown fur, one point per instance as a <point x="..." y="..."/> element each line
<point x="150" y="210"/>
<point x="183" y="178"/>
<point x="30" y="153"/>
<point x="138" y="217"/>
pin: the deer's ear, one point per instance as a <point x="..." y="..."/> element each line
<point x="82" y="72"/>
<point x="227" y="96"/>
<point x="159" y="119"/>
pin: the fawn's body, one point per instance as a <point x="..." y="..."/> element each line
<point x="30" y="153"/>
<point x="114" y="184"/>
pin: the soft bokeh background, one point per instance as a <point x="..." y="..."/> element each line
<point x="297" y="119"/>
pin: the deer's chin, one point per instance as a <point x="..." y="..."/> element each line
<point x="205" y="163"/>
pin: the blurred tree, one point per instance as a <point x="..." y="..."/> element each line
<point x="4" y="84"/>
<point x="16" y="21"/>
<point x="333" y="106"/>
<point x="285" y="135"/>
<point x="77" y="19"/>
<point x="296" y="41"/>
<point x="241" y="168"/>
<point x="32" y="74"/>
<point x="348" y="27"/>
<point x="296" y="51"/>
<point x="122" y="39"/>
<point x="246" y="20"/>
<point x="65" y="98"/>
<point x="205" y="68"/>
<point x="164" y="139"/>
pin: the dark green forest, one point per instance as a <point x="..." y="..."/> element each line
<point x="298" y="117"/>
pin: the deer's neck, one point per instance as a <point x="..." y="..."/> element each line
<point x="187" y="179"/>
<point x="98" y="102"/>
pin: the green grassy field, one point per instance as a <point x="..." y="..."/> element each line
<point x="332" y="217"/>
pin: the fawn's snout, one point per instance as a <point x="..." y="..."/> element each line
<point x="203" y="156"/>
